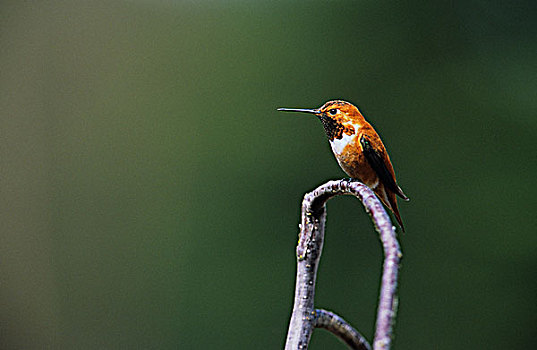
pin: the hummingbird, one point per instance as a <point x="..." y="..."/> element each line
<point x="359" y="150"/>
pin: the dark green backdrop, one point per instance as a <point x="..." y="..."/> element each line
<point x="150" y="192"/>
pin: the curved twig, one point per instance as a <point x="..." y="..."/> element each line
<point x="340" y="328"/>
<point x="309" y="250"/>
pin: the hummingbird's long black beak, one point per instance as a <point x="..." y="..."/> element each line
<point x="303" y="110"/>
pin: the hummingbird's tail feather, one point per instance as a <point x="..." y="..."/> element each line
<point x="398" y="217"/>
<point x="390" y="200"/>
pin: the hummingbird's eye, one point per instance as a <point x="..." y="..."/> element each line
<point x="333" y="111"/>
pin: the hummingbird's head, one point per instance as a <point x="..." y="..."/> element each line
<point x="339" y="118"/>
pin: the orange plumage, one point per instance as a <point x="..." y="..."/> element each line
<point x="359" y="150"/>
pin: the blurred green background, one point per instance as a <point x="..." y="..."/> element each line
<point x="150" y="192"/>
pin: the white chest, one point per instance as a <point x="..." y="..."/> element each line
<point x="339" y="144"/>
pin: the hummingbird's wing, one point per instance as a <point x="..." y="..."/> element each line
<point x="376" y="160"/>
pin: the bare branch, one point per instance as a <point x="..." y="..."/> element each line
<point x="340" y="328"/>
<point x="309" y="250"/>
